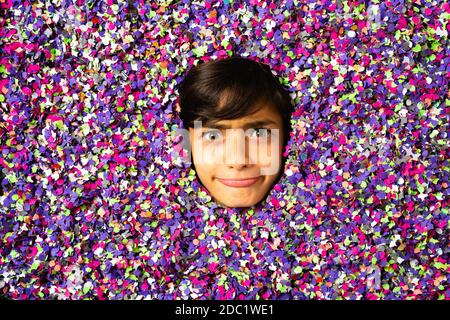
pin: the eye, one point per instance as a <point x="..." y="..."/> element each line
<point x="213" y="135"/>
<point x="259" y="133"/>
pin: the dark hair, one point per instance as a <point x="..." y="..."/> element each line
<point x="231" y="88"/>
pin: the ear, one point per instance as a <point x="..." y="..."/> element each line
<point x="177" y="106"/>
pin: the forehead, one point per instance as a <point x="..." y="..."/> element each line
<point x="266" y="115"/>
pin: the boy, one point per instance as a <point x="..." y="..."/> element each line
<point x="238" y="117"/>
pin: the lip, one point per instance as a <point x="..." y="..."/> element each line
<point x="239" y="183"/>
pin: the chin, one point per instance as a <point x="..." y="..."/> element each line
<point x="232" y="203"/>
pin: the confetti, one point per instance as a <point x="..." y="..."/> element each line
<point x="94" y="205"/>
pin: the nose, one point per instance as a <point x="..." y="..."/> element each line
<point x="236" y="150"/>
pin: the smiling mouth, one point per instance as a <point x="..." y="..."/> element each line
<point x="239" y="183"/>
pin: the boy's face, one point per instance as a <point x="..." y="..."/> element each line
<point x="239" y="160"/>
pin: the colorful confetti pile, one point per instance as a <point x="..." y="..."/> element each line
<point x="93" y="204"/>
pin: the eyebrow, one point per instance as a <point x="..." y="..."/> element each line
<point x="251" y="124"/>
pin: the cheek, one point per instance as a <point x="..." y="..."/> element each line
<point x="270" y="182"/>
<point x="204" y="172"/>
<point x="266" y="154"/>
<point x="207" y="154"/>
<point x="203" y="162"/>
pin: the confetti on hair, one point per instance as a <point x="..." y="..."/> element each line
<point x="93" y="205"/>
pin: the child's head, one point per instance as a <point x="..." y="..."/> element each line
<point x="238" y="116"/>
